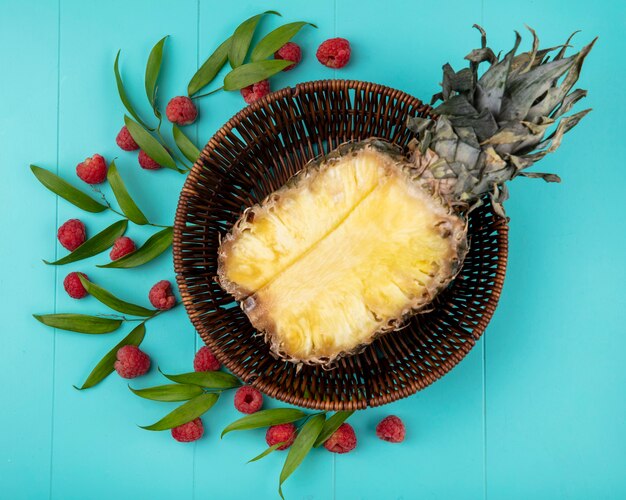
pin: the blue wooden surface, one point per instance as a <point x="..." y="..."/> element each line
<point x="538" y="408"/>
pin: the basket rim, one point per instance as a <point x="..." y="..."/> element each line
<point x="411" y="388"/>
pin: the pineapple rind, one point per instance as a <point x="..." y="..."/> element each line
<point x="390" y="244"/>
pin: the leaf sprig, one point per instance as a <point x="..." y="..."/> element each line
<point x="102" y="324"/>
<point x="111" y="301"/>
<point x="201" y="390"/>
<point x="152" y="248"/>
<point x="106" y="365"/>
<point x="315" y="430"/>
<point x="236" y="48"/>
<point x="150" y="139"/>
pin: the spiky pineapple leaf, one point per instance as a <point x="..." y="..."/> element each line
<point x="524" y="89"/>
<point x="488" y="133"/>
<point x="490" y="88"/>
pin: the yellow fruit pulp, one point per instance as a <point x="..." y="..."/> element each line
<point x="337" y="256"/>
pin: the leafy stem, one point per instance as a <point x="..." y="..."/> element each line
<point x="107" y="364"/>
<point x="309" y="416"/>
<point x="126" y="319"/>
<point x="208" y="93"/>
<point x="121" y="317"/>
<point x="178" y="158"/>
<point x="115" y="211"/>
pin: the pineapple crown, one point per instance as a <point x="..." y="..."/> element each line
<point x="491" y="128"/>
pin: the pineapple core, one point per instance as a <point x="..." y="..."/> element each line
<point x="340" y="254"/>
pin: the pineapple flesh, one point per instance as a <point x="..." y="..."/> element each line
<point x="365" y="237"/>
<point x="344" y="252"/>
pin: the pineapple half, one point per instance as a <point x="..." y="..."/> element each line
<point x="365" y="237"/>
<point x="346" y="250"/>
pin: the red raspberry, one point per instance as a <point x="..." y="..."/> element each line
<point x="343" y="440"/>
<point x="146" y="162"/>
<point x="74" y="287"/>
<point x="131" y="361"/>
<point x="93" y="170"/>
<point x="391" y="429"/>
<point x="289" y="52"/>
<point x="161" y="295"/>
<point x="253" y="92"/>
<point x="181" y="110"/>
<point x="248" y="399"/>
<point x="191" y="431"/>
<point x="334" y="53"/>
<point x="122" y="246"/>
<point x="281" y="433"/>
<point x="72" y="234"/>
<point x="125" y="141"/>
<point x="205" y="361"/>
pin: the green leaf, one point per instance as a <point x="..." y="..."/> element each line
<point x="331" y="425"/>
<point x="274" y="40"/>
<point x="209" y="70"/>
<point x="107" y="364"/>
<point x="269" y="450"/>
<point x="80" y="323"/>
<point x="209" y="380"/>
<point x="170" y="392"/>
<point x="110" y="300"/>
<point x="152" y="248"/>
<point x="94" y="245"/>
<point x="301" y="447"/>
<point x="185" y="145"/>
<point x="122" y="92"/>
<point x="153" y="67"/>
<point x="254" y="72"/>
<point x="67" y="191"/>
<point x="242" y="37"/>
<point x="265" y="418"/>
<point x="185" y="413"/>
<point x="128" y="206"/>
<point x="146" y="141"/>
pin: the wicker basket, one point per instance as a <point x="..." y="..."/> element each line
<point x="256" y="152"/>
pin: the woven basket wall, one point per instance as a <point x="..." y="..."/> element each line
<point x="255" y="153"/>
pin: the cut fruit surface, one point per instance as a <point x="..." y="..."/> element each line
<point x="343" y="252"/>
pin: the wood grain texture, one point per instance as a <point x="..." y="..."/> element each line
<point x="535" y="410"/>
<point x="26" y="285"/>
